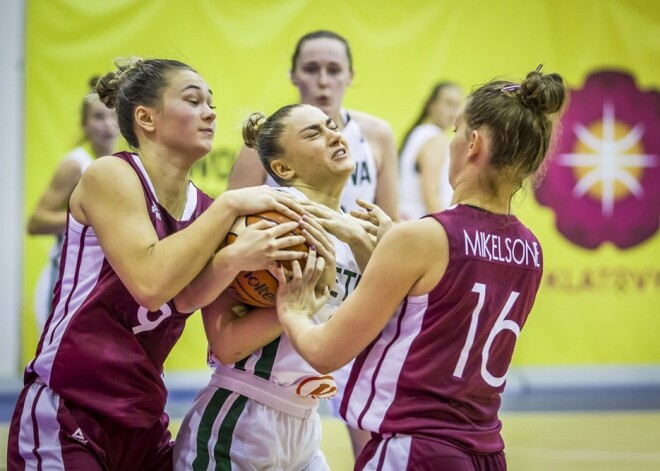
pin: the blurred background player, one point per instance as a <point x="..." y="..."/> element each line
<point x="424" y="155"/>
<point x="322" y="70"/>
<point x="100" y="133"/>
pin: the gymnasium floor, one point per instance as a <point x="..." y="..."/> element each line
<point x="604" y="427"/>
<point x="575" y="441"/>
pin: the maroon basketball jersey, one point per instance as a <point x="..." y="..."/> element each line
<point x="438" y="368"/>
<point x="100" y="349"/>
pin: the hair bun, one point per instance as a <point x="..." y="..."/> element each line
<point x="251" y="129"/>
<point x="544" y="93"/>
<point x="107" y="86"/>
<point x="93" y="80"/>
<point x="106" y="89"/>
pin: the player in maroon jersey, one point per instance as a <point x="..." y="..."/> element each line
<point x="446" y="297"/>
<point x="140" y="253"/>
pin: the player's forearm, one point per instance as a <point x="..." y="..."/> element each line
<point x="245" y="334"/>
<point x="214" y="278"/>
<point x="47" y="222"/>
<point x="170" y="265"/>
<point x="432" y="205"/>
<point x="389" y="203"/>
<point x="362" y="248"/>
<point x="310" y="342"/>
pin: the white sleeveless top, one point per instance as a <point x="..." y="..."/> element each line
<point x="363" y="181"/>
<point x="411" y="204"/>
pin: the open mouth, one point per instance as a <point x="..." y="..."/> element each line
<point x="339" y="153"/>
<point x="323" y="100"/>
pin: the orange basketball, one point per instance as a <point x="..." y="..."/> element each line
<point x="258" y="288"/>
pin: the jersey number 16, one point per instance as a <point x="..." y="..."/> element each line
<point x="500" y="324"/>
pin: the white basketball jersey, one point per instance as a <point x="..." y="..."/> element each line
<point x="278" y="361"/>
<point x="363" y="181"/>
<point x="411" y="204"/>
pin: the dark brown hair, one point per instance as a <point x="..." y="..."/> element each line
<point x="135" y="82"/>
<point x="519" y="119"/>
<point x="263" y="134"/>
<point x="321" y="34"/>
<point x="435" y="93"/>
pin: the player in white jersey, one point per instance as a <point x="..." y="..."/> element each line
<point x="424" y="156"/>
<point x="447" y="297"/>
<point x="100" y="132"/>
<point x="259" y="410"/>
<point x="322" y="70"/>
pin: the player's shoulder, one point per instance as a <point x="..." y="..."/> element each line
<point x="245" y="151"/>
<point x="436" y="143"/>
<point x="69" y="169"/>
<point x="370" y="124"/>
<point x="439" y="139"/>
<point x="108" y="169"/>
<point x="420" y="246"/>
<point x="427" y="233"/>
<point x="110" y="163"/>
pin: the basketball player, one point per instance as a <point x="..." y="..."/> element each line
<point x="447" y="296"/>
<point x="424" y="157"/>
<point x="322" y="70"/>
<point x="100" y="132"/>
<point x="138" y="232"/>
<point x="259" y="410"/>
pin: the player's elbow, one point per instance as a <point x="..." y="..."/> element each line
<point x="33" y="227"/>
<point x="325" y="368"/>
<point x="151" y="304"/>
<point x="324" y="362"/>
<point x="228" y="356"/>
<point x="149" y="296"/>
<point x="31" y="230"/>
<point x="185" y="301"/>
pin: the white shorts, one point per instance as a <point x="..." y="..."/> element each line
<point x="246" y="434"/>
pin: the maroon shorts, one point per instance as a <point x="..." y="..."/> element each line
<point x="47" y="432"/>
<point x="418" y="454"/>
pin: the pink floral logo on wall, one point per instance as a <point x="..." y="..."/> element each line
<point x="603" y="181"/>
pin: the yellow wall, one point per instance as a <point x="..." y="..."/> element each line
<point x="400" y="49"/>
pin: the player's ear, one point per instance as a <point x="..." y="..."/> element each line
<point x="479" y="148"/>
<point x="475" y="143"/>
<point x="143" y="118"/>
<point x="282" y="170"/>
